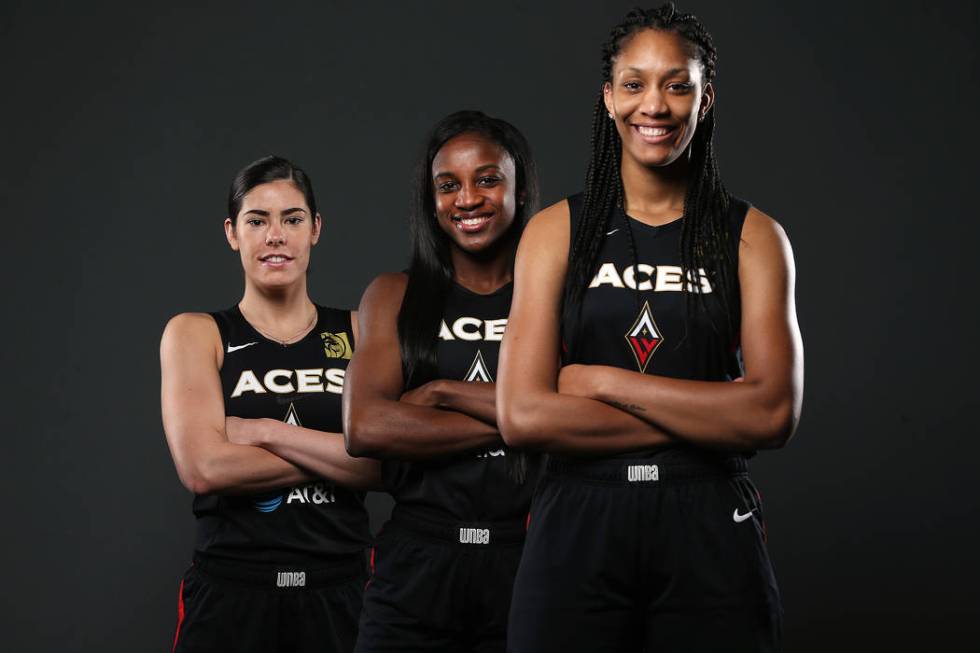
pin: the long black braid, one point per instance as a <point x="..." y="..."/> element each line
<point x="705" y="242"/>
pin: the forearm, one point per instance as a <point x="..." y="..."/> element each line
<point x="477" y="400"/>
<point x="226" y="468"/>
<point x="395" y="429"/>
<point x="748" y="415"/>
<point x="318" y="451"/>
<point x="558" y="423"/>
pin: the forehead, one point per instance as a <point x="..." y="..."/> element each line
<point x="281" y="193"/>
<point x="469" y="151"/>
<point x="654" y="50"/>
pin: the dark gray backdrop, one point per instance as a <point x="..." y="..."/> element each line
<point x="122" y="127"/>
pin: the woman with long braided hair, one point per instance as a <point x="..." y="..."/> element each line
<point x="636" y="304"/>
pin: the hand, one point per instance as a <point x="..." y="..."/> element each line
<point x="426" y="394"/>
<point x="242" y="431"/>
<point x="576" y="380"/>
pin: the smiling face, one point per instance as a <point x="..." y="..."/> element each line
<point x="474" y="185"/>
<point x="274" y="232"/>
<point x="656" y="96"/>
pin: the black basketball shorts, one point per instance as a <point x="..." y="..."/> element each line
<point x="229" y="606"/>
<point x="666" y="553"/>
<point x="440" y="586"/>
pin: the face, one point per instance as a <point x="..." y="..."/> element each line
<point x="474" y="186"/>
<point x="657" y="96"/>
<point x="274" y="232"/>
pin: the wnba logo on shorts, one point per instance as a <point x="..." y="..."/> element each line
<point x="642" y="473"/>
<point x="474" y="536"/>
<point x="290" y="579"/>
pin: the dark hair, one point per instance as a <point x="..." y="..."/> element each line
<point x="430" y="272"/>
<point x="262" y="171"/>
<point x="705" y="238"/>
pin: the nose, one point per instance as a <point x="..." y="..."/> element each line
<point x="467" y="198"/>
<point x="275" y="235"/>
<point x="654" y="103"/>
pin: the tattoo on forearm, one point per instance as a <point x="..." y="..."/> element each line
<point x="628" y="407"/>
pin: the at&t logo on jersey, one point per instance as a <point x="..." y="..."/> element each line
<point x="644" y="337"/>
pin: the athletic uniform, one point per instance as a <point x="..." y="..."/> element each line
<point x="443" y="567"/>
<point x="282" y="570"/>
<point x="656" y="550"/>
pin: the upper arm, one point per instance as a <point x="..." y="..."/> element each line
<point x="771" y="344"/>
<point x="375" y="371"/>
<point x="529" y="354"/>
<point x="190" y="388"/>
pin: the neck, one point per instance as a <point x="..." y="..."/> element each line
<point x="654" y="194"/>
<point x="486" y="271"/>
<point x="279" y="311"/>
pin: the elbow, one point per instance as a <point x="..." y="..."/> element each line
<point x="777" y="425"/>
<point x="197" y="479"/>
<point x="517" y="424"/>
<point x="359" y="440"/>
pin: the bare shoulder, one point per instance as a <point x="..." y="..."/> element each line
<point x="381" y="302"/>
<point x="762" y="232"/>
<point x="549" y="222"/>
<point x="187" y="333"/>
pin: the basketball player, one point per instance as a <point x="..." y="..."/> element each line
<point x="651" y="288"/>
<point x="420" y="396"/>
<point x="279" y="560"/>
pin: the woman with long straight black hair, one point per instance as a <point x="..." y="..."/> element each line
<point x="251" y="408"/>
<point x="420" y="396"/>
<point x="636" y="303"/>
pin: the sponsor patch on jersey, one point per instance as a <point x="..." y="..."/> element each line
<point x="336" y="345"/>
<point x="644" y="337"/>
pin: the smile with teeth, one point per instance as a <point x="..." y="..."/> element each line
<point x="653" y="131"/>
<point x="471" y="221"/>
<point x="274" y="259"/>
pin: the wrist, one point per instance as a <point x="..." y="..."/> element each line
<point x="438" y="396"/>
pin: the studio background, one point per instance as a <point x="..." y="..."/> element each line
<point x="122" y="126"/>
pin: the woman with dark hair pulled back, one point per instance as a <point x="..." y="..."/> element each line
<point x="637" y="304"/>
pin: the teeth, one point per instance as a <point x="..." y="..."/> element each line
<point x="275" y="259"/>
<point x="653" y="131"/>
<point x="472" y="222"/>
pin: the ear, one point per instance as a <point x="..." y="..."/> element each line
<point x="607" y="98"/>
<point x="230" y="234"/>
<point x="707" y="100"/>
<point x="317" y="227"/>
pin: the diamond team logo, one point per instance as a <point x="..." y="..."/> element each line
<point x="336" y="345"/>
<point x="644" y="337"/>
<point x="478" y="370"/>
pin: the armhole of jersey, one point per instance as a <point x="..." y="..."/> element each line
<point x="575" y="203"/>
<point x="736" y="217"/>
<point x="350" y="328"/>
<point x="221" y="320"/>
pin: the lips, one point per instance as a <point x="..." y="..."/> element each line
<point x="654" y="134"/>
<point x="472" y="223"/>
<point x="275" y="261"/>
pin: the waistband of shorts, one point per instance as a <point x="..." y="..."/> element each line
<point x="660" y="467"/>
<point x="315" y="573"/>
<point x="462" y="533"/>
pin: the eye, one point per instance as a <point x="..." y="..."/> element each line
<point x="680" y="87"/>
<point x="632" y="86"/>
<point x="294" y="219"/>
<point x="254" y="222"/>
<point x="446" y="187"/>
<point x="489" y="180"/>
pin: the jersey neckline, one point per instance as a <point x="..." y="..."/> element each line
<point x="258" y="334"/>
<point x="651" y="229"/>
<point x="502" y="289"/>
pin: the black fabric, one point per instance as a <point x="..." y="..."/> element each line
<point x="313" y="521"/>
<point x="237" y="612"/>
<point x="612" y="564"/>
<point x="428" y="593"/>
<point x="475" y="485"/>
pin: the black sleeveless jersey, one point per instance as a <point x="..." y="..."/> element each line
<point x="474" y="486"/>
<point x="633" y="312"/>
<point x="300" y="383"/>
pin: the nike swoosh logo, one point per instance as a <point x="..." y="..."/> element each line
<point x="236" y="348"/>
<point x="740" y="518"/>
<point x="610" y="233"/>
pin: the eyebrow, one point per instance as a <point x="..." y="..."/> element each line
<point x="669" y="73"/>
<point x="487" y="166"/>
<point x="266" y="213"/>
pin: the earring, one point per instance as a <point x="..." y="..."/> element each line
<point x="611" y="116"/>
